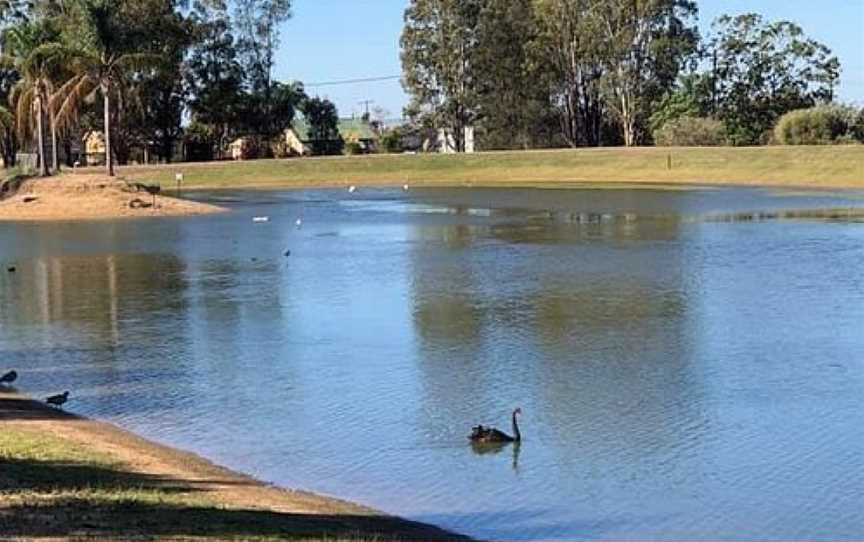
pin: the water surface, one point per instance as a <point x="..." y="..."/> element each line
<point x="690" y="364"/>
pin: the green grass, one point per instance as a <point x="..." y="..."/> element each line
<point x="828" y="166"/>
<point x="53" y="488"/>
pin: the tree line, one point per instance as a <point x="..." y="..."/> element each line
<point x="146" y="73"/>
<point x="549" y="73"/>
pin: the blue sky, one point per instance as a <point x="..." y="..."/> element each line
<point x="329" y="40"/>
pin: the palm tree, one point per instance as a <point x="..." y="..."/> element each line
<point x="31" y="95"/>
<point x="100" y="60"/>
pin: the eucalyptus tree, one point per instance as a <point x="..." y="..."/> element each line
<point x="644" y="46"/>
<point x="257" y="24"/>
<point x="513" y="99"/>
<point x="439" y="46"/>
<point x="214" y="76"/>
<point x="759" y="70"/>
<point x="568" y="51"/>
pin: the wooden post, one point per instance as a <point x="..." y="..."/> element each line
<point x="669" y="161"/>
<point x="179" y="178"/>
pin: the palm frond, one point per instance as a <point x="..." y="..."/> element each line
<point x="67" y="101"/>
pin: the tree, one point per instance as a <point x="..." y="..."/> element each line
<point x="257" y="24"/>
<point x="323" y="123"/>
<point x="32" y="92"/>
<point x="645" y="44"/>
<point x="8" y="132"/>
<point x="513" y="101"/>
<point x="567" y="54"/>
<point x="102" y="49"/>
<point x="439" y="42"/>
<point x="214" y="75"/>
<point x="271" y="119"/>
<point x="760" y="70"/>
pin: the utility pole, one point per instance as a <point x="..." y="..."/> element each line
<point x="366" y="104"/>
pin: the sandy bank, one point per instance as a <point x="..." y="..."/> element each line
<point x="90" y="197"/>
<point x="146" y="463"/>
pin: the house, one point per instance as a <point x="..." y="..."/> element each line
<point x="354" y="130"/>
<point x="94" y="148"/>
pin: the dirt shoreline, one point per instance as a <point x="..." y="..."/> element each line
<point x="227" y="488"/>
<point x="92" y="197"/>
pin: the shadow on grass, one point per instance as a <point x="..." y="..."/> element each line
<point x="13" y="407"/>
<point x="70" y="499"/>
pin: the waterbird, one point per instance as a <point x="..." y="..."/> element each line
<point x="352" y="188"/>
<point x="405" y="187"/>
<point x="9" y="377"/>
<point x="11" y="269"/>
<point x="58" y="400"/>
<point x="287" y="252"/>
<point x="261" y="219"/>
<point x="481" y="434"/>
<point x="299" y="223"/>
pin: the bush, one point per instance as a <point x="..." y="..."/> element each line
<point x="691" y="132"/>
<point x="352" y="147"/>
<point x="820" y="125"/>
<point x="391" y="140"/>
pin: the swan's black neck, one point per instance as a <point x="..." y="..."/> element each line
<point x="517" y="436"/>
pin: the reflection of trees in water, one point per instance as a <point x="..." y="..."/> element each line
<point x="602" y="347"/>
<point x="104" y="295"/>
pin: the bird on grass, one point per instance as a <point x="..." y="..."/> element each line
<point x="58" y="400"/>
<point x="9" y="377"/>
<point x="489" y="435"/>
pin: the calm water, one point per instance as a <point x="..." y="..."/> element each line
<point x="685" y="372"/>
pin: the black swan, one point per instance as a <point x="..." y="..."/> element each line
<point x="9" y="377"/>
<point x="482" y="434"/>
<point x="58" y="400"/>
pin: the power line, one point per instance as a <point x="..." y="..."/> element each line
<point x="353" y="81"/>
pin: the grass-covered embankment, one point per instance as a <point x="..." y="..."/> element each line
<point x="66" y="477"/>
<point x="818" y="166"/>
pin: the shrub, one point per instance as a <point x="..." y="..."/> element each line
<point x="820" y="125"/>
<point x="691" y="132"/>
<point x="352" y="148"/>
<point x="391" y="140"/>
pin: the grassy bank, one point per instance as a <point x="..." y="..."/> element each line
<point x="67" y="477"/>
<point x="825" y="166"/>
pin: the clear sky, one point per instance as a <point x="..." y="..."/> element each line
<point x="334" y="40"/>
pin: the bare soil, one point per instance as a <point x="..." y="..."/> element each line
<point x="91" y="197"/>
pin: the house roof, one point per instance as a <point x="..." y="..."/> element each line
<point x="348" y="129"/>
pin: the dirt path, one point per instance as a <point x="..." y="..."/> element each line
<point x="227" y="488"/>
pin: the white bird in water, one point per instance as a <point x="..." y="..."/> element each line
<point x="352" y="188"/>
<point x="261" y="219"/>
<point x="405" y="187"/>
<point x="299" y="223"/>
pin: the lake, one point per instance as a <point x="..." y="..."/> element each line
<point x="689" y="363"/>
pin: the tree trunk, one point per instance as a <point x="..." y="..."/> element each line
<point x="109" y="159"/>
<point x="55" y="161"/>
<point x="43" y="163"/>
